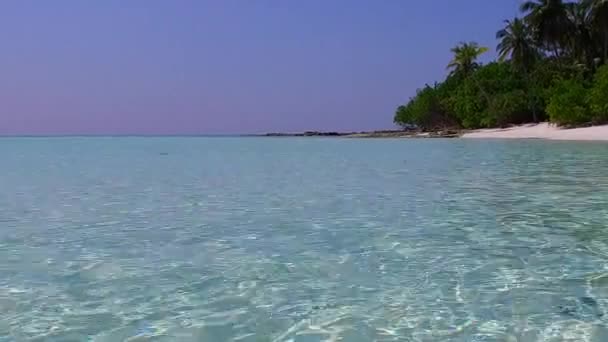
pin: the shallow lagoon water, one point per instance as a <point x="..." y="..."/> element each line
<point x="262" y="239"/>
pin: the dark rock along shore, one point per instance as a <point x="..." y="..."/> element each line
<point x="448" y="133"/>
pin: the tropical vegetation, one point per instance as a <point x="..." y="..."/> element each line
<point x="552" y="65"/>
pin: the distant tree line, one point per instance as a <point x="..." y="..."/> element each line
<point x="552" y="65"/>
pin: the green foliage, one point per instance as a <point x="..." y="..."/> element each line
<point x="465" y="58"/>
<point x="508" y="108"/>
<point x="419" y="109"/>
<point x="466" y="105"/>
<point x="493" y="95"/>
<point x="543" y="77"/>
<point x="516" y="43"/>
<point x="549" y="66"/>
<point x="567" y="104"/>
<point x="598" y="25"/>
<point x="549" y="21"/>
<point x="497" y="78"/>
<point x="598" y="96"/>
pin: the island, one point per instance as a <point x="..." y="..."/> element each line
<point x="549" y="81"/>
<point x="552" y="67"/>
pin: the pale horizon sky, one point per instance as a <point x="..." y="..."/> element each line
<point x="222" y="67"/>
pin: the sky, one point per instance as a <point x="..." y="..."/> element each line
<point x="226" y="66"/>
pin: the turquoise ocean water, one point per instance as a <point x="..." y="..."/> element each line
<point x="261" y="239"/>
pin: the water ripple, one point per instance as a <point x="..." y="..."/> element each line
<point x="228" y="239"/>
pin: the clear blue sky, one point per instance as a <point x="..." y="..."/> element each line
<point x="224" y="66"/>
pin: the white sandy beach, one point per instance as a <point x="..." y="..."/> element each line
<point x="542" y="131"/>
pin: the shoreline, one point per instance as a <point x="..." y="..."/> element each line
<point x="544" y="130"/>
<point x="414" y="134"/>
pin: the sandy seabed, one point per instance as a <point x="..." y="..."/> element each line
<point x="542" y="131"/>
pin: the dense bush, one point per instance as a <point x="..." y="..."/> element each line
<point x="424" y="110"/>
<point x="492" y="95"/>
<point x="549" y="67"/>
<point x="500" y="90"/>
<point x="598" y="96"/>
<point x="568" y="103"/>
<point x="508" y="108"/>
<point x="497" y="95"/>
<point x="418" y="110"/>
<point x="466" y="105"/>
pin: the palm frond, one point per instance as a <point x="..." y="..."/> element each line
<point x="528" y="6"/>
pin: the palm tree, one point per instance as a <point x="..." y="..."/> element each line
<point x="516" y="44"/>
<point x="598" y="11"/>
<point x="465" y="58"/>
<point x="465" y="62"/>
<point x="549" y="20"/>
<point x="583" y="48"/>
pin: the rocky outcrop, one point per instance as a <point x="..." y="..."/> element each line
<point x="374" y="134"/>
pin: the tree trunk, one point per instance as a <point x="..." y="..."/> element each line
<point x="556" y="52"/>
<point x="483" y="92"/>
<point x="532" y="102"/>
<point x="605" y="47"/>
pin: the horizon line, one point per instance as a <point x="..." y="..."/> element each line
<point x="118" y="135"/>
